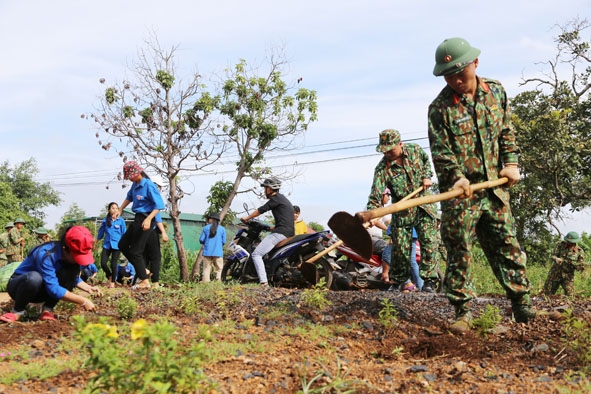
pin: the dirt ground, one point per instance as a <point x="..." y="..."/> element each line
<point x="417" y="355"/>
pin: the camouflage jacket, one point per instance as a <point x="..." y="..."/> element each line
<point x="471" y="138"/>
<point x="573" y="259"/>
<point x="402" y="180"/>
<point x="14" y="246"/>
<point x="3" y="245"/>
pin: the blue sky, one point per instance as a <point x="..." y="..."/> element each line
<point x="371" y="64"/>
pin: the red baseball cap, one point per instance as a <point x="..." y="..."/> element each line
<point x="79" y="241"/>
<point x="131" y="169"/>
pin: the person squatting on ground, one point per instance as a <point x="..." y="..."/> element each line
<point x="125" y="273"/>
<point x="568" y="257"/>
<point x="282" y="211"/>
<point x="4" y="244"/>
<point x="403" y="169"/>
<point x="153" y="253"/>
<point x="213" y="239"/>
<point x="88" y="274"/>
<point x="16" y="242"/>
<point x="472" y="140"/>
<point x="112" y="229"/>
<point x="146" y="204"/>
<point x="300" y="226"/>
<point x="49" y="274"/>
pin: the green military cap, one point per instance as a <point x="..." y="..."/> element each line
<point x="453" y="55"/>
<point x="9" y="225"/>
<point x="122" y="259"/>
<point x="572" y="237"/>
<point x="19" y="220"/>
<point x="40" y="231"/>
<point x="389" y="138"/>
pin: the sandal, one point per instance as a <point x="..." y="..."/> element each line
<point x="143" y="285"/>
<point x="409" y="287"/>
<point x="47" y="316"/>
<point x="10" y="317"/>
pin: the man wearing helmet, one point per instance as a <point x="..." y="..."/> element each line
<point x="472" y="140"/>
<point x="568" y="257"/>
<point x="282" y="211"/>
<point x="402" y="169"/>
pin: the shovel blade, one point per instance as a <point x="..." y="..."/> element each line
<point x="351" y="231"/>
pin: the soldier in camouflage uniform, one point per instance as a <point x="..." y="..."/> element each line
<point x="568" y="257"/>
<point x="472" y="140"/>
<point x="403" y="169"/>
<point x="4" y="244"/>
<point x="15" y="242"/>
<point x="42" y="236"/>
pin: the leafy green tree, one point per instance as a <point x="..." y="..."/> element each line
<point x="553" y="124"/>
<point x="315" y="226"/>
<point x="261" y="114"/>
<point x="8" y="205"/>
<point x="164" y="123"/>
<point x="22" y="196"/>
<point x="74" y="212"/>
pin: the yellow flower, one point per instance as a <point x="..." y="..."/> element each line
<point x="101" y="329"/>
<point x="112" y="332"/>
<point x="138" y="329"/>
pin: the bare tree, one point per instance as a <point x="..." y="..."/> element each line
<point x="162" y="122"/>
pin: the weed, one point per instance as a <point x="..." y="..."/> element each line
<point x="487" y="320"/>
<point x="65" y="308"/>
<point x="577" y="339"/>
<point x="397" y="351"/>
<point x="126" y="307"/>
<point x="326" y="382"/>
<point x="316" y="296"/>
<point x="388" y="315"/>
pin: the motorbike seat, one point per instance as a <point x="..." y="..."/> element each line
<point x="289" y="240"/>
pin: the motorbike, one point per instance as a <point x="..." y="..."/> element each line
<point x="286" y="264"/>
<point x="357" y="272"/>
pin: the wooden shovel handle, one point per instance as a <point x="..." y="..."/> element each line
<point x="401" y="205"/>
<point x="329" y="249"/>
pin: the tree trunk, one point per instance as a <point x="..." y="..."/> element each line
<point x="195" y="270"/>
<point x="178" y="236"/>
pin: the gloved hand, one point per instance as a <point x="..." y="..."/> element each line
<point x="463" y="184"/>
<point x="511" y="171"/>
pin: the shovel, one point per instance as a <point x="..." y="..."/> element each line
<point x="365" y="226"/>
<point x="350" y="228"/>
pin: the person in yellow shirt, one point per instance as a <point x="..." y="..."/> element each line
<point x="299" y="224"/>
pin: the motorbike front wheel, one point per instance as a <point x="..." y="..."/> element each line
<point x="232" y="270"/>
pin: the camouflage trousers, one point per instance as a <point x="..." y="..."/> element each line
<point x="426" y="229"/>
<point x="556" y="278"/>
<point x="492" y="223"/>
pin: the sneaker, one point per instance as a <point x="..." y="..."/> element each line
<point x="409" y="287"/>
<point x="428" y="287"/>
<point x="523" y="313"/>
<point x="462" y="325"/>
<point x="10" y="317"/>
<point x="47" y="315"/>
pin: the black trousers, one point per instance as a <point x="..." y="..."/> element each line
<point x="133" y="243"/>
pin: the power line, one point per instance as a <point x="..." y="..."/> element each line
<point x="94" y="173"/>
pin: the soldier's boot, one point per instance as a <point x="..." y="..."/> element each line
<point x="522" y="312"/>
<point x="462" y="325"/>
